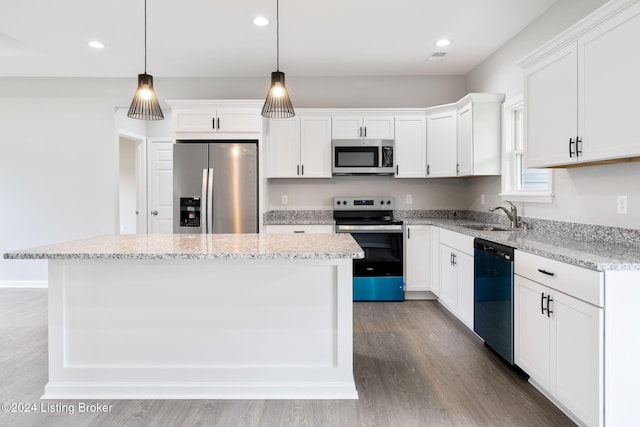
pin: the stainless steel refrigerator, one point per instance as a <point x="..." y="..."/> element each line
<point x="215" y="187"/>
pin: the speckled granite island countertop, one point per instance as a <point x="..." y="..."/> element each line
<point x="199" y="246"/>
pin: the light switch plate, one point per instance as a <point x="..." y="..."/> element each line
<point x="409" y="199"/>
<point x="285" y="199"/>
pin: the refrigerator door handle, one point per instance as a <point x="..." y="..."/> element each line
<point x="210" y="202"/>
<point x="203" y="200"/>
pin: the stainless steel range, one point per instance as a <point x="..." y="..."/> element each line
<point x="378" y="276"/>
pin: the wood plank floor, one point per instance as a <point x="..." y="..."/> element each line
<point x="414" y="363"/>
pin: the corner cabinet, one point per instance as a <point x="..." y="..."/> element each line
<point x="479" y="134"/>
<point x="464" y="139"/>
<point x="456" y="275"/>
<point x="579" y="103"/>
<point x="410" y="151"/>
<point x="299" y="147"/>
<point x="204" y="119"/>
<point x="442" y="153"/>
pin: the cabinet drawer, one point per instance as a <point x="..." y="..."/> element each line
<point x="301" y="228"/>
<point x="579" y="282"/>
<point x="458" y="241"/>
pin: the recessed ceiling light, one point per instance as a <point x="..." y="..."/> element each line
<point x="260" y="21"/>
<point x="443" y="43"/>
<point x="96" y="44"/>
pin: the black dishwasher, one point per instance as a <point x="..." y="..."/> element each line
<point x="493" y="296"/>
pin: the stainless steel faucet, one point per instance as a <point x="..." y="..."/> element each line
<point x="512" y="213"/>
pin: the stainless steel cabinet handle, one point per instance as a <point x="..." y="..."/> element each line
<point x="218" y="123"/>
<point x="297" y="169"/>
<point x="408" y="232"/>
<point x="549" y="299"/>
<point x="427" y="169"/>
<point x="542" y="304"/>
<point x="365" y="131"/>
<point x="154" y="212"/>
<point x="302" y="169"/>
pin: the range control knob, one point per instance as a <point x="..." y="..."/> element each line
<point x="338" y="202"/>
<point x="388" y="202"/>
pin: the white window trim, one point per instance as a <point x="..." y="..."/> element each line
<point x="509" y="180"/>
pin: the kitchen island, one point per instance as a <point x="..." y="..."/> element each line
<point x="241" y="316"/>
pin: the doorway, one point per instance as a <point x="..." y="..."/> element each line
<point x="132" y="184"/>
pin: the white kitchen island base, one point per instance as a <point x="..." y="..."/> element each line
<point x="211" y="329"/>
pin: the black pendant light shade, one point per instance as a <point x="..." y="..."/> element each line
<point x="278" y="104"/>
<point x="145" y="105"/>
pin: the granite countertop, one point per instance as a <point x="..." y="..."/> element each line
<point x="594" y="255"/>
<point x="199" y="246"/>
<point x="590" y="246"/>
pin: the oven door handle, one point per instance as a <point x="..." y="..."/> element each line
<point x="368" y="229"/>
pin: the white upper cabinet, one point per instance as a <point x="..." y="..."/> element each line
<point x="551" y="127"/>
<point x="579" y="91"/>
<point x="410" y="150"/>
<point x="362" y="127"/>
<point x="300" y="147"/>
<point x="479" y="134"/>
<point x="200" y="119"/>
<point x="441" y="143"/>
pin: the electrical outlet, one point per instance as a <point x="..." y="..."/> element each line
<point x="622" y="205"/>
<point x="482" y="199"/>
<point x="409" y="199"/>
<point x="285" y="199"/>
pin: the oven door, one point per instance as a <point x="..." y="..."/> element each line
<point x="378" y="276"/>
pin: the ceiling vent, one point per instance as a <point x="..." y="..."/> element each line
<point x="437" y="56"/>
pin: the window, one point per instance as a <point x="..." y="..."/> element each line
<point x="519" y="183"/>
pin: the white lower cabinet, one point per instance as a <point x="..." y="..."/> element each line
<point x="299" y="228"/>
<point x="456" y="275"/>
<point x="417" y="258"/>
<point x="559" y="338"/>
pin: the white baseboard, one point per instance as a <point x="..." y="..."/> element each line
<point x="23" y="284"/>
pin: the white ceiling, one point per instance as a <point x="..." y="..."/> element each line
<point x="198" y="38"/>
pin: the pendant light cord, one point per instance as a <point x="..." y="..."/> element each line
<point x="277" y="35"/>
<point x="145" y="36"/>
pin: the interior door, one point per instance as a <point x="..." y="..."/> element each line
<point x="160" y="178"/>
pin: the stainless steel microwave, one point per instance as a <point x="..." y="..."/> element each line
<point x="367" y="156"/>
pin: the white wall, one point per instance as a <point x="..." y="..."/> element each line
<point x="585" y="195"/>
<point x="59" y="145"/>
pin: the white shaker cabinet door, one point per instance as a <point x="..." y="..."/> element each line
<point x="315" y="147"/>
<point x="441" y="144"/>
<point x="609" y="86"/>
<point x="531" y="329"/>
<point x="576" y="368"/>
<point x="410" y="152"/>
<point x="551" y="110"/>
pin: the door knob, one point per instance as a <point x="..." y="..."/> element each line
<point x="154" y="212"/>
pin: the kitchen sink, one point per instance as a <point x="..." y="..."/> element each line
<point x="486" y="227"/>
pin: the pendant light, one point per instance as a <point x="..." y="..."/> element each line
<point x="277" y="105"/>
<point x="145" y="105"/>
